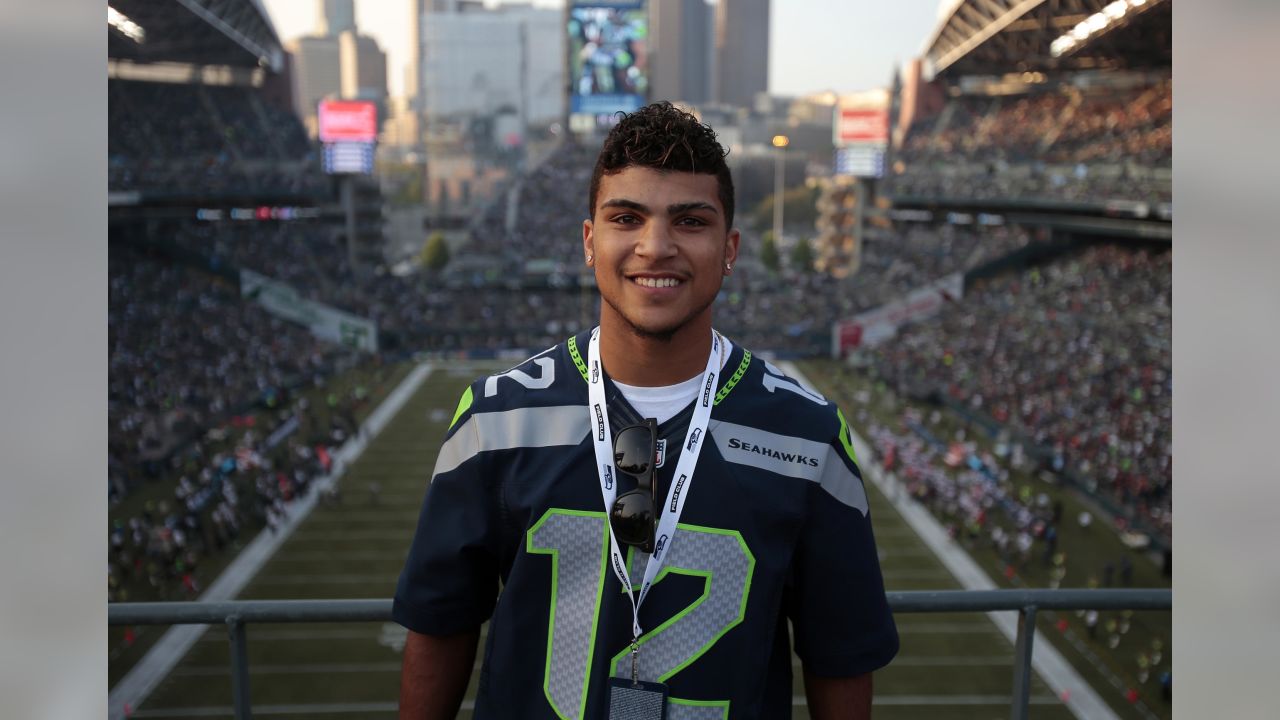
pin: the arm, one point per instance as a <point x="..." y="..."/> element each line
<point x="435" y="673"/>
<point x="843" y="697"/>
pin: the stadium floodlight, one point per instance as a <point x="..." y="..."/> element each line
<point x="1116" y="10"/>
<point x="781" y="141"/>
<point x="1061" y="45"/>
<point x="1096" y="22"/>
<point x="127" y="27"/>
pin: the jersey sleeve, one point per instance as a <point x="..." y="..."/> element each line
<point x="843" y="625"/>
<point x="450" y="579"/>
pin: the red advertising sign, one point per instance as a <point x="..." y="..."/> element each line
<point x="348" y="121"/>
<point x="862" y="126"/>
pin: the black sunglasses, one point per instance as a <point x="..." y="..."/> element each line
<point x="633" y="515"/>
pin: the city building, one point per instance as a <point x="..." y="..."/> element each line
<point x="741" y="51"/>
<point x="682" y="50"/>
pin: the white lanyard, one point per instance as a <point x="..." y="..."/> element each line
<point x="679" y="490"/>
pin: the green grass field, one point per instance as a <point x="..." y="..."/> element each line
<point x="952" y="665"/>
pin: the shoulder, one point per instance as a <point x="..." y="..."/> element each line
<point x="765" y="396"/>
<point x="538" y="389"/>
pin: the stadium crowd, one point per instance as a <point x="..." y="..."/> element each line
<point x="1075" y="355"/>
<point x="201" y="397"/>
<point x="1061" y="144"/>
<point x="205" y="139"/>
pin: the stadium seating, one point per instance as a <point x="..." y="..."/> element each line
<point x="1062" y="144"/>
<point x="202" y="139"/>
<point x="1075" y="355"/>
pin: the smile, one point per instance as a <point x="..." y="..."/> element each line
<point x="657" y="282"/>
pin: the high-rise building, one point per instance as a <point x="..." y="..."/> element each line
<point x="317" y="74"/>
<point x="336" y="62"/>
<point x="477" y="61"/>
<point x="336" y="17"/>
<point x="364" y="67"/>
<point x="682" y="50"/>
<point x="742" y="51"/>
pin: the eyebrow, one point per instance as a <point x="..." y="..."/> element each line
<point x="673" y="209"/>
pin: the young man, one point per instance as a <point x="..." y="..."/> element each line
<point x="639" y="511"/>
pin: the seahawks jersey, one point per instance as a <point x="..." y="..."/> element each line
<point x="775" y="528"/>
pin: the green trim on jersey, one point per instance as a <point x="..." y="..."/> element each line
<point x="845" y="438"/>
<point x="737" y="375"/>
<point x="577" y="357"/>
<point x="464" y="403"/>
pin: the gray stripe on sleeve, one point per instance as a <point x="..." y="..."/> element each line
<point x="793" y="456"/>
<point x="519" y="428"/>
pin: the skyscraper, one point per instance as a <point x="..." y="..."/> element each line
<point x="742" y="51"/>
<point x="337" y="17"/>
<point x="682" y="50"/>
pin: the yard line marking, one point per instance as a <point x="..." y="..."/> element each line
<point x="392" y="515"/>
<point x="135" y="686"/>
<point x="325" y="579"/>
<point x="309" y="538"/>
<point x="307" y="709"/>
<point x="264" y="633"/>
<point x="942" y="661"/>
<point x="293" y="669"/>
<point x="338" y="555"/>
<point x="994" y="700"/>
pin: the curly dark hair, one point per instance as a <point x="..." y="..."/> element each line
<point x="665" y="138"/>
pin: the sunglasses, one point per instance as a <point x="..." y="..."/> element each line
<point x="634" y="516"/>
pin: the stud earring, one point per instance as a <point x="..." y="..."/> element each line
<point x="728" y="267"/>
<point x="589" y="258"/>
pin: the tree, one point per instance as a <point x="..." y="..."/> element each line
<point x="799" y="208"/>
<point x="769" y="252"/>
<point x="435" y="252"/>
<point x="802" y="256"/>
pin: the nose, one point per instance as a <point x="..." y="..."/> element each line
<point x="656" y="242"/>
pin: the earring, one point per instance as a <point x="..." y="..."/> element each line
<point x="728" y="267"/>
<point x="589" y="258"/>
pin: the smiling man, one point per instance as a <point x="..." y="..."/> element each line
<point x="646" y="513"/>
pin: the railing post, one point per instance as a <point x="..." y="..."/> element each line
<point x="239" y="668"/>
<point x="1021" y="700"/>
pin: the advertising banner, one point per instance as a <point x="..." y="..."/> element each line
<point x="608" y="56"/>
<point x="348" y="121"/>
<point x="861" y="126"/>
<point x="324" y="322"/>
<point x="873" y="327"/>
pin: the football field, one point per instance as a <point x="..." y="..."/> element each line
<point x="952" y="665"/>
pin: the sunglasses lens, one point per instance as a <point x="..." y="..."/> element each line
<point x="632" y="518"/>
<point x="633" y="450"/>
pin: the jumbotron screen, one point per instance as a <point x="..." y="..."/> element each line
<point x="609" y="56"/>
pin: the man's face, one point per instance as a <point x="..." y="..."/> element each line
<point x="659" y="245"/>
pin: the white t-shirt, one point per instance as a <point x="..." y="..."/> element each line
<point x="662" y="403"/>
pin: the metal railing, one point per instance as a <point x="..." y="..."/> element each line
<point x="237" y="614"/>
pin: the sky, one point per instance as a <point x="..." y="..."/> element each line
<point x="814" y="45"/>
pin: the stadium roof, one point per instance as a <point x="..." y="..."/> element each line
<point x="993" y="37"/>
<point x="199" y="32"/>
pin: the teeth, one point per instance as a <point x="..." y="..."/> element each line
<point x="657" y="282"/>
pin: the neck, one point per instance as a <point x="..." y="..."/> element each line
<point x="645" y="361"/>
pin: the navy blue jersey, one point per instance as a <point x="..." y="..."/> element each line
<point x="775" y="528"/>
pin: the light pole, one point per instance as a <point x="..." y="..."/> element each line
<point x="780" y="142"/>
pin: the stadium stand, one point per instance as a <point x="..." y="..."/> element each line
<point x="167" y="137"/>
<point x="1063" y="144"/>
<point x="1074" y="355"/>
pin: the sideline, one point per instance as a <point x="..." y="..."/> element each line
<point x="1083" y="701"/>
<point x="134" y="687"/>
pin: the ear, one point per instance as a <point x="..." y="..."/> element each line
<point x="588" y="242"/>
<point x="731" y="249"/>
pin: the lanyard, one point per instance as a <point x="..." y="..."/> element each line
<point x="676" y="494"/>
